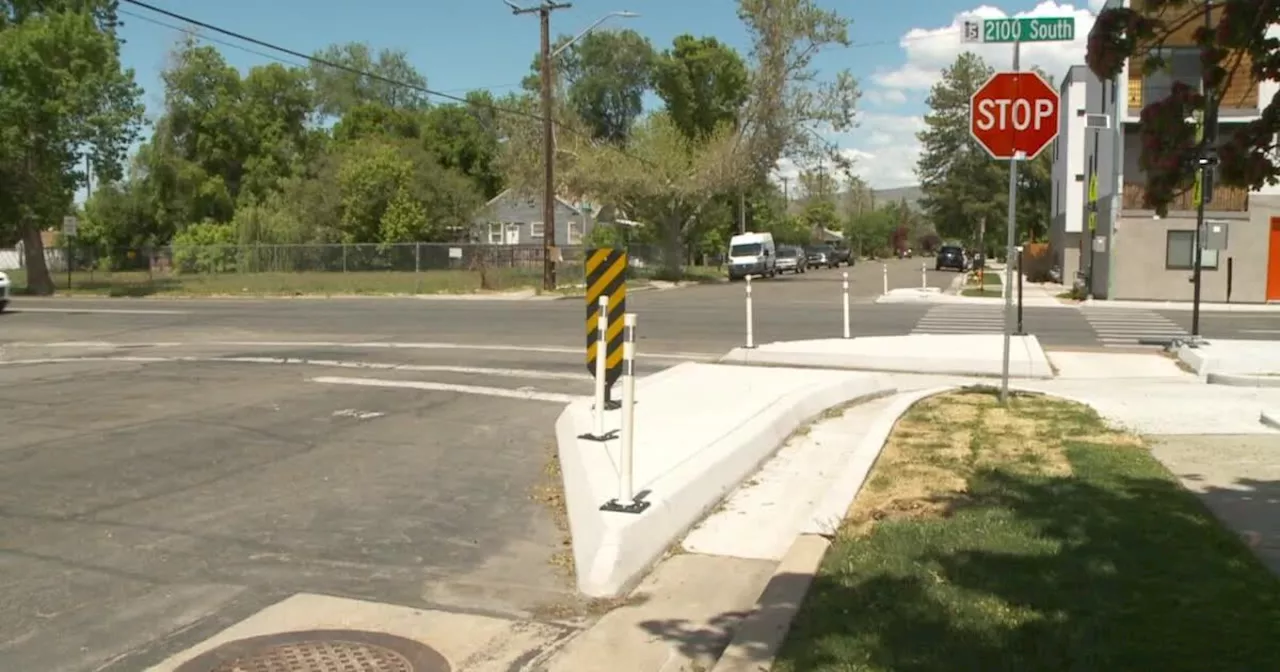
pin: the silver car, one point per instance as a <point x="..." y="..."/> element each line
<point x="791" y="260"/>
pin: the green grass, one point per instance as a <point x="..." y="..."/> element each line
<point x="141" y="283"/>
<point x="989" y="279"/>
<point x="1031" y="539"/>
<point x="370" y="283"/>
<point x="986" y="291"/>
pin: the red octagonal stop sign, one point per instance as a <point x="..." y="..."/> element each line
<point x="1014" y="112"/>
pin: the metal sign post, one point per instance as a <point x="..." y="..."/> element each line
<point x="70" y="227"/>
<point x="1014" y="116"/>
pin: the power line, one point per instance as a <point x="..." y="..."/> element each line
<point x="374" y="76"/>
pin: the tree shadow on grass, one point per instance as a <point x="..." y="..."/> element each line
<point x="1113" y="568"/>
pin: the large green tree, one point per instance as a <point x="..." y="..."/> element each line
<point x="64" y="95"/>
<point x="703" y="82"/>
<point x="363" y="76"/>
<point x="604" y="76"/>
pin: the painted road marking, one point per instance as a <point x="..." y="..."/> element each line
<point x="298" y="361"/>
<point x="100" y="311"/>
<point x="1260" y="331"/>
<point x="359" y="345"/>
<point x="358" y="415"/>
<point x="523" y="393"/>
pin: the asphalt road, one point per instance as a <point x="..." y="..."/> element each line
<point x="170" y="466"/>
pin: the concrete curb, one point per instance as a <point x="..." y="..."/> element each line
<point x="757" y="641"/>
<point x="1036" y="366"/>
<point x="1271" y="419"/>
<point x="1242" y="380"/>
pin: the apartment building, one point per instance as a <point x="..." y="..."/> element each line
<point x="1130" y="252"/>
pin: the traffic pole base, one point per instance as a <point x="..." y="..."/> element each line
<point x="617" y="506"/>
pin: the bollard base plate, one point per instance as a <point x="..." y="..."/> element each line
<point x="612" y="405"/>
<point x="607" y="436"/>
<point x="619" y="506"/>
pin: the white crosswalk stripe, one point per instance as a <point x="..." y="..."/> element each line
<point x="962" y="319"/>
<point x="1122" y="328"/>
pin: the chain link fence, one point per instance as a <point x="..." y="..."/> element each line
<point x="334" y="268"/>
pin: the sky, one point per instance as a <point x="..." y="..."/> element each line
<point x="899" y="48"/>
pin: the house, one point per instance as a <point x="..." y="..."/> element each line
<point x="1067" y="216"/>
<point x="1129" y="252"/>
<point x="512" y="218"/>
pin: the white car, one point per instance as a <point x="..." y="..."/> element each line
<point x="4" y="291"/>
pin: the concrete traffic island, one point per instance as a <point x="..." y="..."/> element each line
<point x="948" y="354"/>
<point x="1232" y="362"/>
<point x="1271" y="418"/>
<point x="1243" y="379"/>
<point x="684" y="462"/>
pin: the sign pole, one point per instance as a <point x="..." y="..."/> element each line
<point x="1010" y="240"/>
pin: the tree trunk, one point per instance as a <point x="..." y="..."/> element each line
<point x="39" y="282"/>
<point x="672" y="247"/>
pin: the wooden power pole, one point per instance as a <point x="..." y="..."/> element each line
<point x="548" y="142"/>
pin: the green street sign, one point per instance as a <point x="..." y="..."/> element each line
<point x="1038" y="29"/>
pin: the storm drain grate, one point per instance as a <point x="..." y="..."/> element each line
<point x="320" y="651"/>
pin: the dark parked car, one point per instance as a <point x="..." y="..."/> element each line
<point x="841" y="255"/>
<point x="821" y="255"/>
<point x="792" y="259"/>
<point x="952" y="257"/>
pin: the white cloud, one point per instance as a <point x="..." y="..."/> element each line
<point x="929" y="50"/>
<point x="884" y="97"/>
<point x="883" y="150"/>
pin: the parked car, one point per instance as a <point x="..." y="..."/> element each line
<point x="841" y="255"/>
<point x="951" y="257"/>
<point x="821" y="255"/>
<point x="4" y="291"/>
<point x="752" y="254"/>
<point x="791" y="259"/>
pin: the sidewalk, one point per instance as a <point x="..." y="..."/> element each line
<point x="1205" y="307"/>
<point x="1033" y="294"/>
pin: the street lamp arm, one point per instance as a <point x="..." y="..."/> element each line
<point x="593" y="26"/>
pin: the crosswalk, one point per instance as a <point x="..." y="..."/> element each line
<point x="1123" y="328"/>
<point x="961" y="319"/>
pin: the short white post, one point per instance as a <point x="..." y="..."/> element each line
<point x="845" y="284"/>
<point x="884" y="269"/>
<point x="924" y="276"/>
<point x="626" y="489"/>
<point x="751" y="336"/>
<point x="602" y="362"/>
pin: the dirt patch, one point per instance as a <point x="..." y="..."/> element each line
<point x="549" y="492"/>
<point x="934" y="450"/>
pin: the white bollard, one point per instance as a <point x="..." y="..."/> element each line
<point x="626" y="489"/>
<point x="751" y="336"/>
<point x="884" y="268"/>
<point x="602" y="363"/>
<point x="924" y="276"/>
<point x="845" y="284"/>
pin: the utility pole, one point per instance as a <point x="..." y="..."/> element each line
<point x="1206" y="159"/>
<point x="982" y="250"/>
<point x="548" y="141"/>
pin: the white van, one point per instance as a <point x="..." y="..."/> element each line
<point x="752" y="254"/>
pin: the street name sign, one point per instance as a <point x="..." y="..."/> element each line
<point x="1037" y="29"/>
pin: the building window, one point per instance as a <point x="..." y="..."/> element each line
<point x="1179" y="253"/>
<point x="575" y="234"/>
<point x="1181" y="64"/>
<point x="536" y="230"/>
<point x="495" y="233"/>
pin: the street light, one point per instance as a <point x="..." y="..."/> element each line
<point x="543" y="10"/>
<point x="593" y="26"/>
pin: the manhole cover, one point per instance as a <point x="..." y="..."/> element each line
<point x="320" y="651"/>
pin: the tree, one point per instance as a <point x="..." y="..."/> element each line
<point x="65" y="95"/>
<point x="604" y="76"/>
<point x="464" y="138"/>
<point x="703" y="82"/>
<point x="341" y="88"/>
<point x="1238" y="46"/>
<point x="962" y="184"/>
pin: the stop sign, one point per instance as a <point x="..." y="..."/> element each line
<point x="1014" y="112"/>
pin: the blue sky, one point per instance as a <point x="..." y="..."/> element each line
<point x="459" y="45"/>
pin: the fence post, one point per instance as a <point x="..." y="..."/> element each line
<point x="417" y="257"/>
<point x="344" y="257"/>
<point x="626" y="501"/>
<point x="845" y="284"/>
<point x="751" y="336"/>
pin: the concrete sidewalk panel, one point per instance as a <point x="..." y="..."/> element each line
<point x="701" y="429"/>
<point x="948" y="354"/>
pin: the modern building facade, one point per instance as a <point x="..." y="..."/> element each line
<point x="1132" y="253"/>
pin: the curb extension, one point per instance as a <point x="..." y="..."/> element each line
<point x="759" y="638"/>
<point x="1242" y="380"/>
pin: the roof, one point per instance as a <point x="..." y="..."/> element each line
<point x="507" y="192"/>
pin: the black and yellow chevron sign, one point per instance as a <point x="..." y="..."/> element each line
<point x="1092" y="205"/>
<point x="606" y="276"/>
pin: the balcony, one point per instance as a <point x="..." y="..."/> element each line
<point x="1225" y="199"/>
